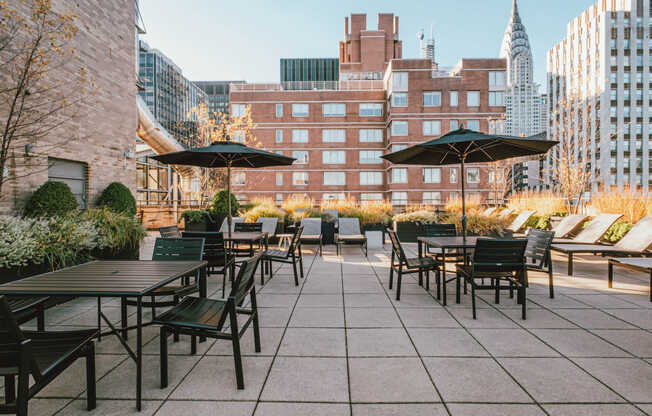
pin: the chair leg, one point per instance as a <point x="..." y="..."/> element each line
<point x="550" y="278"/>
<point x="254" y="318"/>
<point x="271" y="269"/>
<point x="497" y="290"/>
<point x="10" y="389"/>
<point x="235" y="339"/>
<point x="294" y="268"/>
<point x="23" y="386"/>
<point x="262" y="272"/>
<point x="570" y="264"/>
<point x="523" y="302"/>
<point x="91" y="391"/>
<point x="457" y="288"/>
<point x="153" y="307"/>
<point x="163" y="339"/>
<point x="40" y="318"/>
<point x="301" y="261"/>
<point x="391" y="272"/>
<point x="438" y="281"/>
<point x="398" y="283"/>
<point x="473" y="299"/>
<point x="123" y="317"/>
<point x="224" y="281"/>
<point x="193" y="345"/>
<point x="428" y="280"/>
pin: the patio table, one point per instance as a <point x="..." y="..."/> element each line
<point x="108" y="278"/>
<point x="637" y="264"/>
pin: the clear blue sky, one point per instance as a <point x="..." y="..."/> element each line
<point x="228" y="40"/>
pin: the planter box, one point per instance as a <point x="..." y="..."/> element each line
<point x="215" y="222"/>
<point x="374" y="239"/>
<point x="408" y="232"/>
<point x="196" y="226"/>
<point x="327" y="233"/>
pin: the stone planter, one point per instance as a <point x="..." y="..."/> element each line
<point x="374" y="239"/>
<point x="327" y="233"/>
<point x="196" y="225"/>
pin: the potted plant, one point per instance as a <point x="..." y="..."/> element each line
<point x="327" y="228"/>
<point x="220" y="209"/>
<point x="409" y="225"/>
<point x="195" y="219"/>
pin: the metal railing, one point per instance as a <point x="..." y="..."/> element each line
<point x="353" y="85"/>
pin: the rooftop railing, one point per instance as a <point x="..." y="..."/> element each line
<point x="353" y="85"/>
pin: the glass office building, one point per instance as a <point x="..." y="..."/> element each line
<point x="310" y="69"/>
<point x="217" y="93"/>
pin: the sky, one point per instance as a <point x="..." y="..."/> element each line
<point x="244" y="40"/>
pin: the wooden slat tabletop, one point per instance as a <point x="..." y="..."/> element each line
<point x="104" y="278"/>
<point x="640" y="262"/>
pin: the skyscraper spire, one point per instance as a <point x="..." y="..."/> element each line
<point x="516" y="49"/>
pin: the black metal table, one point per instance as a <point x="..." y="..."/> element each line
<point x="108" y="278"/>
<point x="637" y="264"/>
<point x="444" y="244"/>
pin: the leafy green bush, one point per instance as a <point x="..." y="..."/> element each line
<point x="116" y="232"/>
<point x="118" y="198"/>
<point x="50" y="199"/>
<point x="538" y="222"/>
<point x="478" y="224"/>
<point x="421" y="217"/>
<point x="193" y="216"/>
<point x="220" y="203"/>
<point x="617" y="231"/>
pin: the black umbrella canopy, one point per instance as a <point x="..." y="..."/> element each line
<point x="471" y="147"/>
<point x="219" y="154"/>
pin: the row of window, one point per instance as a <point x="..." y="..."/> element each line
<point x="398" y="198"/>
<point x="432" y="127"/>
<point x="328" y="110"/>
<point x="399" y="81"/>
<point x="397" y="176"/>
<point x="339" y="156"/>
<point x="433" y="99"/>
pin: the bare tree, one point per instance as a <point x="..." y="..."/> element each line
<point x="41" y="85"/>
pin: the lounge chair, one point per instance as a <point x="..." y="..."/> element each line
<point x="225" y="229"/>
<point x="349" y="232"/>
<point x="489" y="211"/>
<point x="407" y="265"/>
<point x="506" y="213"/>
<point x="635" y="243"/>
<point x="520" y="221"/>
<point x="593" y="231"/>
<point x="569" y="225"/>
<point x="312" y="232"/>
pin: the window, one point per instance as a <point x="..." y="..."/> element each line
<point x="398" y="147"/>
<point x="371" y="110"/>
<point x="279" y="110"/>
<point x="454" y="125"/>
<point x="454" y="98"/>
<point x="432" y="99"/>
<point x="333" y="135"/>
<point x="399" y="99"/>
<point x="453" y="175"/>
<point x="431" y="175"/>
<point x="334" y="178"/>
<point x="399" y="128"/>
<point x="279" y="199"/>
<point x="473" y="125"/>
<point x="73" y="174"/>
<point x="238" y="110"/>
<point x="299" y="136"/>
<point x="370" y="156"/>
<point x="239" y="136"/>
<point x="301" y="157"/>
<point x="496" y="99"/>
<point x="432" y="128"/>
<point x="333" y="197"/>
<point x="239" y="178"/>
<point x="300" y="110"/>
<point x="399" y="175"/>
<point x="371" y="135"/>
<point x="496" y="79"/>
<point x="399" y="198"/>
<point x="371" y="197"/>
<point x="300" y="178"/>
<point x="473" y="175"/>
<point x="371" y="178"/>
<point x="473" y="98"/>
<point x="279" y="178"/>
<point x="399" y="81"/>
<point x="279" y="136"/>
<point x="432" y="198"/>
<point x="334" y="110"/>
<point x="333" y="157"/>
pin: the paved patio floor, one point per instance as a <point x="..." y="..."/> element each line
<point x="339" y="344"/>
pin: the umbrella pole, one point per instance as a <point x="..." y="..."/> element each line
<point x="228" y="193"/>
<point x="463" y="199"/>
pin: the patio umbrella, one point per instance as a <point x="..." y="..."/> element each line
<point x="226" y="154"/>
<point x="467" y="146"/>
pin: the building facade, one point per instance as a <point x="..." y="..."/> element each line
<point x="381" y="103"/>
<point x="217" y="94"/>
<point x="169" y="95"/>
<point x="309" y="69"/>
<point x="96" y="147"/>
<point x="599" y="84"/>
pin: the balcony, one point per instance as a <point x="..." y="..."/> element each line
<point x="353" y="85"/>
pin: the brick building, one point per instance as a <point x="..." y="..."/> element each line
<point x="97" y="146"/>
<point x="382" y="103"/>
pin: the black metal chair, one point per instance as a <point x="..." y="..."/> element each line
<point x="202" y="317"/>
<point x="220" y="259"/>
<point x="537" y="254"/>
<point x="289" y="256"/>
<point x="441" y="230"/>
<point x="495" y="260"/>
<point x="170" y="249"/>
<point x="406" y="265"/>
<point x="170" y="232"/>
<point x="247" y="227"/>
<point x="26" y="308"/>
<point x="41" y="355"/>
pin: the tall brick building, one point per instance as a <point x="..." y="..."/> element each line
<point x="382" y="103"/>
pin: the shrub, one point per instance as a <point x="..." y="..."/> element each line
<point x="50" y="199"/>
<point x="455" y="204"/>
<point x="221" y="203"/>
<point x="368" y="212"/>
<point x="263" y="208"/>
<point x="633" y="205"/>
<point x="478" y="224"/>
<point x="295" y="202"/>
<point x="421" y="217"/>
<point x="617" y="231"/>
<point x="116" y="232"/>
<point x="118" y="198"/>
<point x="192" y="216"/>
<point x="545" y="203"/>
<point x="19" y="246"/>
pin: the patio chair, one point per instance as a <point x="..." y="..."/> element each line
<point x="569" y="225"/>
<point x="171" y="231"/>
<point x="312" y="232"/>
<point x="635" y="243"/>
<point x="440" y="230"/>
<point x="407" y="265"/>
<point x="41" y="355"/>
<point x="205" y="317"/>
<point x="495" y="260"/>
<point x="289" y="256"/>
<point x="593" y="231"/>
<point x="220" y="259"/>
<point x="349" y="232"/>
<point x="537" y="254"/>
<point x="489" y="211"/>
<point x="224" y="228"/>
<point x="506" y="213"/>
<point x="170" y="249"/>
<point x="26" y="308"/>
<point x="519" y="222"/>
